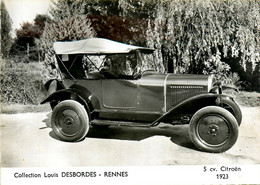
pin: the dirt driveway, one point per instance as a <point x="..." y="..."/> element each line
<point x="27" y="142"/>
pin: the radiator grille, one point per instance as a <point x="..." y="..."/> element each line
<point x="179" y="93"/>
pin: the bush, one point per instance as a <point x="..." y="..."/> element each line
<point x="233" y="80"/>
<point x="21" y="82"/>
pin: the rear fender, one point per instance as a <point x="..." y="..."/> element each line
<point x="192" y="105"/>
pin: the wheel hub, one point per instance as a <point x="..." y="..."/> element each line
<point x="68" y="121"/>
<point x="213" y="129"/>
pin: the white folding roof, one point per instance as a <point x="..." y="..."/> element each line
<point x="95" y="46"/>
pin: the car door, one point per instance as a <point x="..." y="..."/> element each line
<point x="119" y="93"/>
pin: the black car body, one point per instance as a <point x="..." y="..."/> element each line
<point x="115" y="88"/>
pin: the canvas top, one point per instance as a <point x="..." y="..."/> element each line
<point x="96" y="46"/>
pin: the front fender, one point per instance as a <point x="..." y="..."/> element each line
<point x="53" y="85"/>
<point x="73" y="94"/>
<point x="192" y="105"/>
<point x="58" y="95"/>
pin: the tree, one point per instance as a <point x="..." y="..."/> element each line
<point x="202" y="36"/>
<point x="25" y="42"/>
<point x="67" y="23"/>
<point x="123" y="21"/>
<point x="116" y="28"/>
<point x="27" y="35"/>
<point x="64" y="9"/>
<point x="67" y="29"/>
<point x="109" y="21"/>
<point x="205" y="37"/>
<point x="40" y="20"/>
<point x="198" y="35"/>
<point x="6" y="27"/>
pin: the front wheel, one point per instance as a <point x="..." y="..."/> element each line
<point x="233" y="108"/>
<point x="70" y="121"/>
<point x="213" y="129"/>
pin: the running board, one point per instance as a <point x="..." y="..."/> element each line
<point x="119" y="123"/>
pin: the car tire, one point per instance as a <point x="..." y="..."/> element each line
<point x="70" y="121"/>
<point x="213" y="129"/>
<point x="232" y="107"/>
<point x="53" y="104"/>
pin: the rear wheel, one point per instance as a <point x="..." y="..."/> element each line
<point x="213" y="129"/>
<point x="70" y="121"/>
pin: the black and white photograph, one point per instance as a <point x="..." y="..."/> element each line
<point x="130" y="92"/>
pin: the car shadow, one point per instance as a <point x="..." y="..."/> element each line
<point x="177" y="134"/>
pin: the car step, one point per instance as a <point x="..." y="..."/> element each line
<point x="119" y="123"/>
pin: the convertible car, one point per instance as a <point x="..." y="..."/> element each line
<point x="106" y="83"/>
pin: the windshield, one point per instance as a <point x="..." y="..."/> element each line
<point x="122" y="64"/>
<point x="146" y="62"/>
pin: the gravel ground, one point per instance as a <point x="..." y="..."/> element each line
<point x="27" y="142"/>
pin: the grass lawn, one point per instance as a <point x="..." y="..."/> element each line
<point x="247" y="99"/>
<point x="19" y="108"/>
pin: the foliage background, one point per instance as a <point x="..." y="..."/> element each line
<point x="21" y="82"/>
<point x="199" y="37"/>
<point x="190" y="36"/>
<point x="6" y="26"/>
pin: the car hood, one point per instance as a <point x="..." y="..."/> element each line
<point x="190" y="80"/>
<point x="178" y="87"/>
<point x="180" y="80"/>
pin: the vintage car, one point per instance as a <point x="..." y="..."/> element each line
<point x="106" y="83"/>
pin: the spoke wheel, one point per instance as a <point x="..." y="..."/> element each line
<point x="213" y="129"/>
<point x="70" y="121"/>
